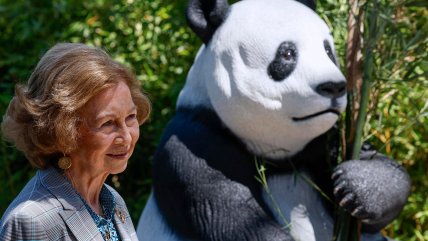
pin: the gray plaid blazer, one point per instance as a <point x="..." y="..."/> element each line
<point x="49" y="209"/>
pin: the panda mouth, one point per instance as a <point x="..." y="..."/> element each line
<point x="316" y="114"/>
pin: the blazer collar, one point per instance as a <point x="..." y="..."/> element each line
<point x="59" y="187"/>
<point x="76" y="216"/>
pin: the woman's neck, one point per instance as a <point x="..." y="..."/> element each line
<point x="88" y="186"/>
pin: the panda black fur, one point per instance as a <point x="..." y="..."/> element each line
<point x="265" y="86"/>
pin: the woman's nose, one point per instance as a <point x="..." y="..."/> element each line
<point x="124" y="136"/>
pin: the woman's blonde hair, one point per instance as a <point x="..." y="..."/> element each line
<point x="42" y="117"/>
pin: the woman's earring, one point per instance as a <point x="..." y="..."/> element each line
<point x="64" y="162"/>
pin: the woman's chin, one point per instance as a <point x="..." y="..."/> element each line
<point x="117" y="164"/>
<point x="119" y="169"/>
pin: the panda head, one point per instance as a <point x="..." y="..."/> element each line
<point x="268" y="69"/>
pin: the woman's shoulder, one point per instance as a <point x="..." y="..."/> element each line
<point x="21" y="225"/>
<point x="33" y="201"/>
<point x="30" y="210"/>
<point x="29" y="219"/>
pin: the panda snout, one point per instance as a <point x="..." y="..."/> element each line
<point x="331" y="89"/>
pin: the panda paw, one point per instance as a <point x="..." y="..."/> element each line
<point x="354" y="193"/>
<point x="373" y="191"/>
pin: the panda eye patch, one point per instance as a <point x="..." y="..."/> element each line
<point x="329" y="51"/>
<point x="284" y="63"/>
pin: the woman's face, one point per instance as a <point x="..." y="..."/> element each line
<point x="108" y="132"/>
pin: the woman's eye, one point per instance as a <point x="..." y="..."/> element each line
<point x="107" y="123"/>
<point x="131" y="117"/>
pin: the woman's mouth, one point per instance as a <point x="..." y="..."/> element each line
<point x="120" y="155"/>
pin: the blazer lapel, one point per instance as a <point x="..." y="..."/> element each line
<point x="81" y="224"/>
<point x="58" y="185"/>
<point x="121" y="219"/>
<point x="75" y="215"/>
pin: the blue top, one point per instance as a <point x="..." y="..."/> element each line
<point x="105" y="224"/>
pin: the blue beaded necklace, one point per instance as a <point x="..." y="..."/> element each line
<point x="104" y="224"/>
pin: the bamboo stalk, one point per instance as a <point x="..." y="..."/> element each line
<point x="348" y="228"/>
<point x="372" y="38"/>
<point x="354" y="71"/>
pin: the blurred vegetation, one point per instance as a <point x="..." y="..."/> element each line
<point x="153" y="39"/>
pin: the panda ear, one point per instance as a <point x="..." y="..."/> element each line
<point x="204" y="16"/>
<point x="309" y="3"/>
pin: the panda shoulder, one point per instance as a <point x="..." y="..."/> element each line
<point x="201" y="129"/>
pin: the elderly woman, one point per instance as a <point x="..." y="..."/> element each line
<point x="77" y="121"/>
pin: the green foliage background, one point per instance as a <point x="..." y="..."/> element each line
<point x="153" y="39"/>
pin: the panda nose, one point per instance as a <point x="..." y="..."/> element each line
<point x="331" y="89"/>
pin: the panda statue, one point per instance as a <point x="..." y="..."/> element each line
<point x="260" y="103"/>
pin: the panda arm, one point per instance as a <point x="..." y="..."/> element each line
<point x="373" y="189"/>
<point x="199" y="201"/>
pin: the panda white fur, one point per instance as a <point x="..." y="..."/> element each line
<point x="265" y="86"/>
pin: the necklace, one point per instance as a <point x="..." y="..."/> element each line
<point x="108" y="234"/>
